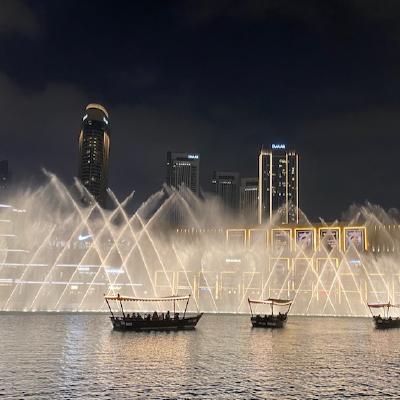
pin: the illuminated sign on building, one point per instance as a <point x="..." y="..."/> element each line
<point x="305" y="239"/>
<point x="278" y="146"/>
<point x="354" y="237"/>
<point x="84" y="237"/>
<point x="329" y="237"/>
<point x="281" y="239"/>
<point x="233" y="260"/>
<point x="193" y="156"/>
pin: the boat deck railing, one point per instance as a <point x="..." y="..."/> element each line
<point x="148" y="317"/>
<point x="270" y="316"/>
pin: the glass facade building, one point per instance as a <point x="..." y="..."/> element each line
<point x="249" y="199"/>
<point x="278" y="185"/>
<point x="183" y="169"/>
<point x="94" y="152"/>
<point x="226" y="187"/>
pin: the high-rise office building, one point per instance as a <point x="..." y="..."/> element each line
<point x="226" y="187"/>
<point x="278" y="185"/>
<point x="94" y="151"/>
<point x="183" y="169"/>
<point x="249" y="199"/>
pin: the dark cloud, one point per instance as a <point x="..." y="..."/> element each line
<point x="348" y="158"/>
<point x="220" y="78"/>
<point x="17" y="18"/>
<point x="253" y="10"/>
<point x="40" y="128"/>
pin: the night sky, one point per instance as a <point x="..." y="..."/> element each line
<point x="216" y="77"/>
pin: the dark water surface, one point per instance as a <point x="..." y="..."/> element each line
<point x="79" y="356"/>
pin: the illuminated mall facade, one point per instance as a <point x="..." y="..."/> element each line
<point x="286" y="260"/>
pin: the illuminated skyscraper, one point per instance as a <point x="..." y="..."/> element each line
<point x="226" y="187"/>
<point x="249" y="199"/>
<point x="278" y="185"/>
<point x="183" y="168"/>
<point x="94" y="151"/>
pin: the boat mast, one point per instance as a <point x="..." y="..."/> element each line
<point x="186" y="306"/>
<point x="251" y="310"/>
<point x="120" y="302"/>
<point x="112" y="314"/>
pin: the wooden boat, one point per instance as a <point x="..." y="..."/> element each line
<point x="384" y="321"/>
<point x="270" y="320"/>
<point x="148" y="322"/>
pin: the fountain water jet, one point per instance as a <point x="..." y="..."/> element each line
<point x="59" y="254"/>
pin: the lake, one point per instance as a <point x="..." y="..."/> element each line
<point x="67" y="356"/>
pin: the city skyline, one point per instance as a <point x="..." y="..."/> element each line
<point x="199" y="199"/>
<point x="198" y="81"/>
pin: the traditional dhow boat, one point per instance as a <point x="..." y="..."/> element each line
<point x="384" y="321"/>
<point x="270" y="320"/>
<point x="155" y="321"/>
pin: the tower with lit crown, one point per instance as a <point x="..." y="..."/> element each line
<point x="278" y="185"/>
<point x="94" y="152"/>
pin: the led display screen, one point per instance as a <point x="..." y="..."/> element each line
<point x="281" y="239"/>
<point x="329" y="238"/>
<point x="354" y="237"/>
<point x="305" y="239"/>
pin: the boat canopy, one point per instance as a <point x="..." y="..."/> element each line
<point x="153" y="299"/>
<point x="381" y="305"/>
<point x="271" y="301"/>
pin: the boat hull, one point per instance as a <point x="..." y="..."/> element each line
<point x="125" y="324"/>
<point x="269" y="322"/>
<point x="386" y="323"/>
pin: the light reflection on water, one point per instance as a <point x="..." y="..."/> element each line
<point x="79" y="356"/>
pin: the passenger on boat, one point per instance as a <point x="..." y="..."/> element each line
<point x="128" y="316"/>
<point x="176" y="316"/>
<point x="139" y="317"/>
<point x="148" y="317"/>
<point x="167" y="316"/>
<point x="162" y="316"/>
<point x="155" y="315"/>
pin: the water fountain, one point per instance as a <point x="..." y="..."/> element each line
<point x="57" y="254"/>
